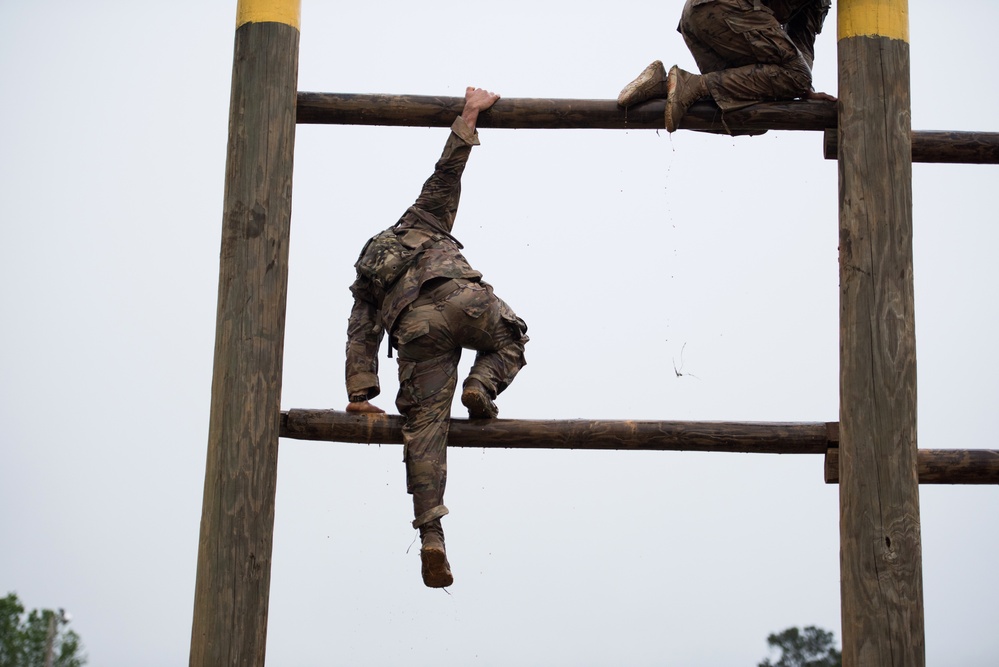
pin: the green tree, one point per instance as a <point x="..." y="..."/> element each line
<point x="24" y="641"/>
<point x="811" y="647"/>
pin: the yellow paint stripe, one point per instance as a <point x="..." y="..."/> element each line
<point x="873" y="18"/>
<point x="288" y="12"/>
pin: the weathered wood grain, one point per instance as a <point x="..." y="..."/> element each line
<point x="880" y="546"/>
<point x="234" y="552"/>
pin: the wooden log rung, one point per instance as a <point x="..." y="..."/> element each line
<point x="939" y="466"/>
<point x="938" y="147"/>
<point x="744" y="437"/>
<point x="530" y="113"/>
<point x="936" y="466"/>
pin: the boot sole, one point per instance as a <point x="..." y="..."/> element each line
<point x="436" y="570"/>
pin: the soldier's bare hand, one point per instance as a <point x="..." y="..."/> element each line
<point x="364" y="407"/>
<point x="479" y="99"/>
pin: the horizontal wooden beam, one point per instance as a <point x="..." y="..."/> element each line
<point x="936" y="466"/>
<point x="553" y="114"/>
<point x="939" y="466"/>
<point x="939" y="147"/>
<point x="746" y="437"/>
<point x="528" y="113"/>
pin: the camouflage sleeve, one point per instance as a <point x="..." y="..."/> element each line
<point x="364" y="336"/>
<point x="442" y="190"/>
<point x="806" y="25"/>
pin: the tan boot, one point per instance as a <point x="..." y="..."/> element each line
<point x="475" y="397"/>
<point x="682" y="90"/>
<point x="435" y="568"/>
<point x="651" y="83"/>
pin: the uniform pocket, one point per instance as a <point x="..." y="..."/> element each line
<point x="411" y="328"/>
<point x="475" y="299"/>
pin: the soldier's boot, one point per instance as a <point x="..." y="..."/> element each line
<point x="475" y="397"/>
<point x="433" y="557"/>
<point x="650" y="84"/>
<point x="682" y="90"/>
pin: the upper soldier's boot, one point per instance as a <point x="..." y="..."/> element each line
<point x="650" y="84"/>
<point x="476" y="398"/>
<point x="682" y="90"/>
<point x="435" y="568"/>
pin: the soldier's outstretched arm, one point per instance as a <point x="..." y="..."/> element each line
<point x="442" y="191"/>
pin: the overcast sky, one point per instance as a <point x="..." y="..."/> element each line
<point x="686" y="277"/>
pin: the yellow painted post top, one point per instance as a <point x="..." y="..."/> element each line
<point x="288" y="12"/>
<point x="873" y="18"/>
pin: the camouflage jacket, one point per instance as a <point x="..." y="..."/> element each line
<point x="390" y="272"/>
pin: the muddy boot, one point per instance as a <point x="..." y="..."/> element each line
<point x="475" y="397"/>
<point x="682" y="90"/>
<point x="650" y="84"/>
<point x="435" y="568"/>
<point x="429" y="510"/>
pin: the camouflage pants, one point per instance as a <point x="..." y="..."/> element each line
<point x="744" y="54"/>
<point x="430" y="337"/>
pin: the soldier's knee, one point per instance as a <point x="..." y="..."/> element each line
<point x="799" y="77"/>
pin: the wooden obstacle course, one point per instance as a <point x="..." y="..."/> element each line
<point x="876" y="460"/>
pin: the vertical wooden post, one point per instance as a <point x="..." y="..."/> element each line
<point x="237" y="522"/>
<point x="880" y="552"/>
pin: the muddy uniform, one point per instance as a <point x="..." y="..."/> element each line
<point x="753" y="50"/>
<point x="413" y="282"/>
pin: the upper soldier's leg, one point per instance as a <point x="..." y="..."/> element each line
<point x="744" y="54"/>
<point x="483" y="322"/>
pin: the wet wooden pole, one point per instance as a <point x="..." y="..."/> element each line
<point x="880" y="547"/>
<point x="237" y="522"/>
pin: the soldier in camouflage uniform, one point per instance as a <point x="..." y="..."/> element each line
<point x="413" y="283"/>
<point x="748" y="51"/>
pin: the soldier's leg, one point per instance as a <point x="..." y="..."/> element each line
<point x="745" y="56"/>
<point x="428" y="364"/>
<point x="481" y="321"/>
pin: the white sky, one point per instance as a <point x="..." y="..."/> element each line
<point x="622" y="250"/>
